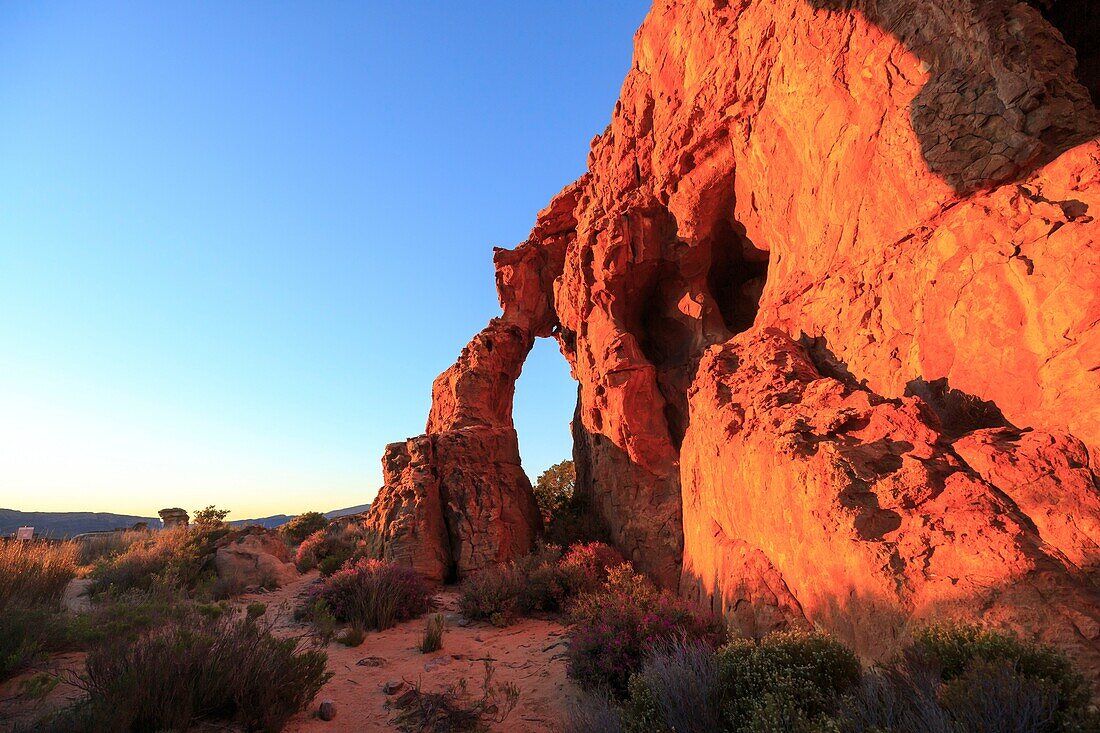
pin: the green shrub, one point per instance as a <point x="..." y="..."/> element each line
<point x="303" y="525"/>
<point x="27" y="631"/>
<point x="963" y="652"/>
<point x="793" y="676"/>
<point x="952" y="680"/>
<point x="179" y="673"/>
<point x="331" y="564"/>
<point x="210" y="518"/>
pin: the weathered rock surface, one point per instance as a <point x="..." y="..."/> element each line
<point x="456" y="499"/>
<point x="830" y="289"/>
<point x="869" y="516"/>
<point x="254" y="558"/>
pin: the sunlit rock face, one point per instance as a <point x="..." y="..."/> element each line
<point x="830" y="290"/>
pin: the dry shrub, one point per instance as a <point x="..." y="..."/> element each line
<point x="453" y="709"/>
<point x="105" y="545"/>
<point x="227" y="668"/>
<point x="594" y="712"/>
<point x="432" y="641"/>
<point x="33" y="575"/>
<point x="181" y="556"/>
<point x="35" y="571"/>
<point x="373" y="594"/>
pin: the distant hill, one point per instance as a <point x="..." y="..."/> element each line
<point x="277" y="520"/>
<point x="344" y="512"/>
<point x="67" y="524"/>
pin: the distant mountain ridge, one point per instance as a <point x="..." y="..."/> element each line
<point x="69" y="524"/>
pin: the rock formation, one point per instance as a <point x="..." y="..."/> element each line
<point x="830" y="290"/>
<point x="175" y="517"/>
<point x="254" y="557"/>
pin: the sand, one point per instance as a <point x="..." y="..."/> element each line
<point x="529" y="653"/>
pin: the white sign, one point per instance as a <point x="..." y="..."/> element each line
<point x="24" y="533"/>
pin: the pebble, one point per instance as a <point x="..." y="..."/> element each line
<point x="327" y="711"/>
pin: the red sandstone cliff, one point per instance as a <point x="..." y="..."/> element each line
<point x="831" y="293"/>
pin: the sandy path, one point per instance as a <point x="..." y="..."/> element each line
<point x="529" y="653"/>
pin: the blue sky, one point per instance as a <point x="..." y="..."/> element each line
<point x="239" y="240"/>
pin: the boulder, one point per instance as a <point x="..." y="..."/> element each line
<point x="254" y="557"/>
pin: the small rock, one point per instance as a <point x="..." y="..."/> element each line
<point x="392" y="687"/>
<point x="327" y="711"/>
<point x="76" y="597"/>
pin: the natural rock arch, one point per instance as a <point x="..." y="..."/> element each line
<point x="765" y="285"/>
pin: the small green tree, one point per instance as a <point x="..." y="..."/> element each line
<point x="554" y="489"/>
<point x="303" y="525"/>
<point x="210" y="517"/>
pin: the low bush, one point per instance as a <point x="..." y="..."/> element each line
<point x="677" y="689"/>
<point x="374" y="594"/>
<point x="612" y="630"/>
<point x="302" y="526"/>
<point x="492" y="595"/>
<point x="585" y="566"/>
<point x="27" y="631"/>
<point x="183" y="555"/>
<point x="958" y="649"/>
<point x="595" y="712"/>
<point x="545" y="580"/>
<point x="789" y="676"/>
<point x="126" y="615"/>
<point x="98" y="547"/>
<point x="35" y="571"/>
<point x="951" y="680"/>
<point x="179" y="673"/>
<point x="340" y="543"/>
<point x="309" y="550"/>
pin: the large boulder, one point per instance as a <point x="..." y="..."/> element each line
<point x="254" y="557"/>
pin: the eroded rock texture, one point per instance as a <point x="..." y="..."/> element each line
<point x="830" y="290"/>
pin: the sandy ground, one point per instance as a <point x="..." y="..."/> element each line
<point x="17" y="712"/>
<point x="529" y="653"/>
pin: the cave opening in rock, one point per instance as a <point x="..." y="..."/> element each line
<point x="545" y="398"/>
<point x="738" y="271"/>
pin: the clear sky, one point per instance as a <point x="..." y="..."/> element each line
<point x="239" y="240"/>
